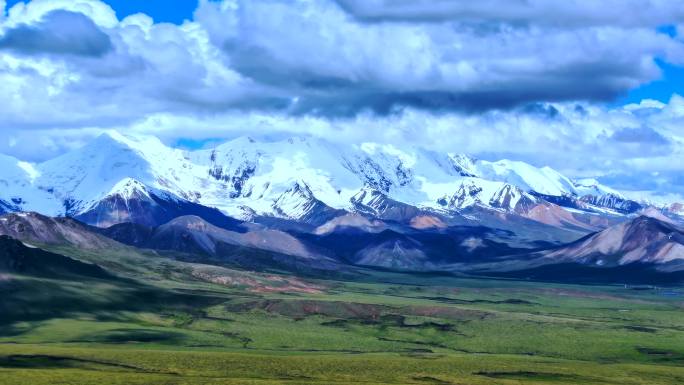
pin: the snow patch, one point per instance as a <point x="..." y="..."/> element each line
<point x="30" y="169"/>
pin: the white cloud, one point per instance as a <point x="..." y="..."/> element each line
<point x="312" y="57"/>
<point x="523" y="80"/>
<point x="151" y="68"/>
<point x="333" y="61"/>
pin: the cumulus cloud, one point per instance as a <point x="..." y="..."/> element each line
<point x="526" y="79"/>
<point x="336" y="64"/>
<point x="315" y="57"/>
<point x="145" y="68"/>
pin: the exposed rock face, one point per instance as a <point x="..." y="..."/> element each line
<point x="374" y="203"/>
<point x="555" y="215"/>
<point x="300" y="204"/>
<point x="613" y="202"/>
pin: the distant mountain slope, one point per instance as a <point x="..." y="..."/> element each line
<point x="254" y="248"/>
<point x="434" y="248"/>
<point x="643" y="250"/>
<point x="643" y="239"/>
<point x="207" y="238"/>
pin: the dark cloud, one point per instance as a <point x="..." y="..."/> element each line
<point x="386" y="102"/>
<point x="339" y="96"/>
<point x="524" y="13"/>
<point x="635" y="180"/>
<point x="640" y="135"/>
<point x="58" y="33"/>
<point x="541" y="109"/>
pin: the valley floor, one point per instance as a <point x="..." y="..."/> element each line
<point x="388" y="329"/>
<point x="41" y="364"/>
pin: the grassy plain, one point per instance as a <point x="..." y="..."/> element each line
<point x="161" y="324"/>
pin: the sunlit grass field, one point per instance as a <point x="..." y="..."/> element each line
<point x="156" y="325"/>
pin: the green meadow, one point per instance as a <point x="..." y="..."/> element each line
<point x="158" y="323"/>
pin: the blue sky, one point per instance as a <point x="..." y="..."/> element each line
<point x="588" y="88"/>
<point x="166" y="11"/>
<point x="671" y="82"/>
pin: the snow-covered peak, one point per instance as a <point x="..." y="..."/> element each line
<point x="591" y="186"/>
<point x="130" y="140"/>
<point x="129" y="188"/>
<point x="543" y="180"/>
<point x="92" y="171"/>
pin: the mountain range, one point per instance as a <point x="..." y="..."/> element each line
<point x="314" y="205"/>
<point x="115" y="178"/>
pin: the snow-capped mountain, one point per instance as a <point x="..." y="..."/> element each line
<point x="20" y="189"/>
<point x="482" y="192"/>
<point x="118" y="178"/>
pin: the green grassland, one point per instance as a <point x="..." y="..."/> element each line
<point x="162" y="322"/>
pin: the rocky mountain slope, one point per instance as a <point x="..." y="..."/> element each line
<point x="643" y="239"/>
<point x="649" y="244"/>
<point x="37" y="229"/>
